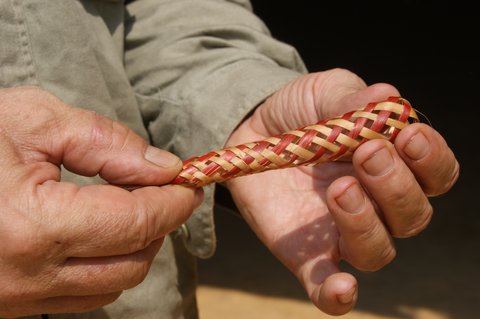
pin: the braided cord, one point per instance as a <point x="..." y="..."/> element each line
<point x="326" y="141"/>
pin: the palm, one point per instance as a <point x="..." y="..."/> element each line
<point x="288" y="208"/>
<point x="288" y="212"/>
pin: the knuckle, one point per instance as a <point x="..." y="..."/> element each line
<point x="106" y="134"/>
<point x="351" y="81"/>
<point x="420" y="223"/>
<point x="100" y="131"/>
<point x="142" y="229"/>
<point x="371" y="249"/>
<point x="167" y="215"/>
<point x="446" y="183"/>
<point x="344" y="74"/>
<point x="327" y="85"/>
<point x="150" y="223"/>
<point x="380" y="259"/>
<point x="400" y="195"/>
<point x="139" y="271"/>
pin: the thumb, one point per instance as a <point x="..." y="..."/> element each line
<point x="332" y="291"/>
<point x="339" y="91"/>
<point x="93" y="144"/>
<point x="360" y="98"/>
<point x="316" y="96"/>
<point x="337" y="295"/>
<point x="43" y="129"/>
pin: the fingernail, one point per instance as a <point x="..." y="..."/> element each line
<point x="347" y="297"/>
<point x="160" y="157"/>
<point x="417" y="147"/>
<point x="380" y="163"/>
<point x="352" y="200"/>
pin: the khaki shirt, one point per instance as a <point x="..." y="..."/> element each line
<point x="182" y="74"/>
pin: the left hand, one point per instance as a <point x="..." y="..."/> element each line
<point x="312" y="217"/>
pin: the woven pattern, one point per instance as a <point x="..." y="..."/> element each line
<point x="326" y="141"/>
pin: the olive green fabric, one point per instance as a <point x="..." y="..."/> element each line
<point x="182" y="74"/>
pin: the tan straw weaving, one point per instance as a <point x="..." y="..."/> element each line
<point x="326" y="141"/>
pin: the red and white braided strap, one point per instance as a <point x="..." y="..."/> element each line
<point x="326" y="141"/>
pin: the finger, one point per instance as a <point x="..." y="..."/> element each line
<point x="104" y="275"/>
<point x="63" y="304"/>
<point x="352" y="98"/>
<point x="364" y="241"/>
<point x="98" y="145"/>
<point x="393" y="187"/>
<point x="85" y="142"/>
<point x="333" y="292"/>
<point x="429" y="157"/>
<point x="104" y="220"/>
<point x="338" y="294"/>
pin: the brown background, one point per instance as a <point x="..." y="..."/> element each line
<point x="426" y="49"/>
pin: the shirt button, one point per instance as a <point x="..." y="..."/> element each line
<point x="184" y="232"/>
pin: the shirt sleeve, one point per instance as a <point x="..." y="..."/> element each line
<point x="198" y="67"/>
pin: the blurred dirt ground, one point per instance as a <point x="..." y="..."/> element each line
<point x="426" y="50"/>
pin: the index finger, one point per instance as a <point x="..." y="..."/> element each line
<point x="105" y="220"/>
<point x="429" y="157"/>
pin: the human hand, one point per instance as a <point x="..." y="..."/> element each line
<point x="67" y="248"/>
<point x="312" y="217"/>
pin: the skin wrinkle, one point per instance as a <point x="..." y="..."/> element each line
<point x="314" y="94"/>
<point x="144" y="218"/>
<point x="279" y="122"/>
<point x="55" y="127"/>
<point x="334" y="92"/>
<point x="100" y="137"/>
<point x="50" y="119"/>
<point x="140" y="230"/>
<point x="449" y="185"/>
<point x="399" y="198"/>
<point x="395" y="195"/>
<point x="377" y="262"/>
<point x="305" y="99"/>
<point x="294" y="94"/>
<point x="131" y="266"/>
<point x="373" y="231"/>
<point x="374" y="262"/>
<point x="440" y="172"/>
<point x="427" y="212"/>
<point x="101" y="127"/>
<point x="125" y="139"/>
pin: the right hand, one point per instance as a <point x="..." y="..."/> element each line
<point x="66" y="248"/>
<point x="313" y="217"/>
